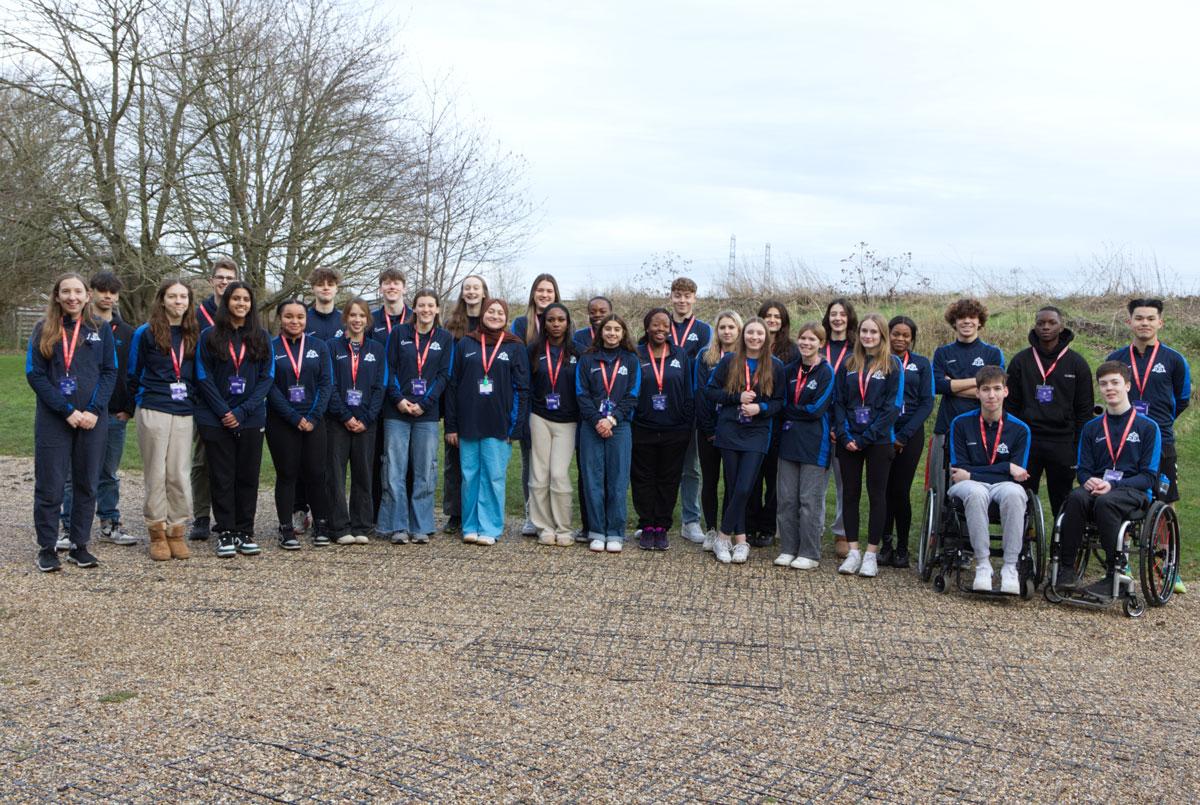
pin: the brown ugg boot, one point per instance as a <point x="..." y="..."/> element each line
<point x="159" y="551"/>
<point x="841" y="547"/>
<point x="176" y="543"/>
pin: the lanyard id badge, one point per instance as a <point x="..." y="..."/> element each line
<point x="68" y="385"/>
<point x="553" y="402"/>
<point x="1142" y="407"/>
<point x="353" y="397"/>
<point x="659" y="402"/>
<point x="485" y="385"/>
<point x="296" y="391"/>
<point x="296" y="394"/>
<point x="1045" y="394"/>
<point x="862" y="415"/>
<point x="1112" y="476"/>
<point x="237" y="383"/>
<point x="607" y="407"/>
<point x="419" y="386"/>
<point x="179" y="391"/>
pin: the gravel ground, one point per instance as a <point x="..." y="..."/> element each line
<point x="521" y="672"/>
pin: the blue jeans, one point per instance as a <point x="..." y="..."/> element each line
<point x="484" y="472"/>
<point x="404" y="439"/>
<point x="605" y="467"/>
<point x="689" y="486"/>
<point x="108" y="491"/>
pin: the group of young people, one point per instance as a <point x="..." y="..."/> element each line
<point x="670" y="412"/>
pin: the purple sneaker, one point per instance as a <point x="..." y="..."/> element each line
<point x="660" y="540"/>
<point x="646" y="539"/>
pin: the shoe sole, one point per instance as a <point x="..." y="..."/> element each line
<point x="290" y="547"/>
<point x="54" y="569"/>
<point x="77" y="563"/>
<point x="255" y="552"/>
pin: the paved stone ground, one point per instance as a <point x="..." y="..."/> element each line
<point x="449" y="671"/>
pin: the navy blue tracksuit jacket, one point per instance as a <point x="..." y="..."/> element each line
<point x="968" y="452"/>
<point x="1139" y="458"/>
<point x="370" y="382"/>
<point x="502" y="414"/>
<point x="152" y="371"/>
<point x="436" y="349"/>
<point x="1166" y="384"/>
<point x="804" y="438"/>
<point x="959" y="361"/>
<point x="677" y="387"/>
<point x="213" y="373"/>
<point x="757" y="434"/>
<point x="884" y="398"/>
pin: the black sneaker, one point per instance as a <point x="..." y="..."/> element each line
<point x="320" y="540"/>
<point x="246" y="545"/>
<point x="887" y="554"/>
<point x="646" y="539"/>
<point x="899" y="559"/>
<point x="1066" y="578"/>
<point x="200" y="530"/>
<point x="226" y="545"/>
<point x="79" y="556"/>
<point x="661" y="541"/>
<point x="452" y="526"/>
<point x="47" y="560"/>
<point x="1102" y="588"/>
<point x="287" y="539"/>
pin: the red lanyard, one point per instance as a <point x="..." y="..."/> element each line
<point x="237" y="359"/>
<point x="801" y="380"/>
<point x="1046" y="372"/>
<point x="204" y="312"/>
<point x="864" y="382"/>
<point x="422" y="356"/>
<point x="557" y="368"/>
<point x="69" y="351"/>
<point x="1124" y="436"/>
<point x="487" y="364"/>
<point x="904" y="361"/>
<point x="660" y="372"/>
<point x="841" y="355"/>
<point x="296" y="364"/>
<point x="983" y="437"/>
<point x="354" y="359"/>
<point x="1140" y="382"/>
<point x="679" y="342"/>
<point x="608" y="384"/>
<point x="387" y="318"/>
<point x="749" y="387"/>
<point x="177" y="360"/>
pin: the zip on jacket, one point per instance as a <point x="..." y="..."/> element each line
<point x="93" y="373"/>
<point x="152" y="374"/>
<point x="360" y="374"/>
<point x="419" y="367"/>
<point x="214" y="377"/>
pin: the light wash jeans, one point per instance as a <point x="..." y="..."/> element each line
<point x="484" y="472"/>
<point x="606" y="480"/>
<point x="689" y="485"/>
<point x="405" y="439"/>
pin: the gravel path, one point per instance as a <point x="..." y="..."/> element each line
<point x="456" y="672"/>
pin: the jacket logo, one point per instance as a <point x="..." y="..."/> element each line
<point x="469" y="354"/>
<point x="312" y="353"/>
<point x="812" y="384"/>
<point x="693" y="337"/>
<point x="369" y="357"/>
<point x="912" y="367"/>
<point x="1002" y="449"/>
<point x="435" y="346"/>
<point x="624" y="370"/>
<point x="93" y="337"/>
<point x="877" y="376"/>
<point x="504" y="357"/>
<point x="1133" y="437"/>
<point x="573" y="361"/>
<point x="338" y="333"/>
<point x="405" y="342"/>
<point x="977" y="362"/>
<point x="1158" y="369"/>
<point x="675" y="363"/>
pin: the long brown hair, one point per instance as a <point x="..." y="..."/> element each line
<point x="531" y="313"/>
<point x="160" y="324"/>
<point x="626" y="343"/>
<point x="882" y="360"/>
<point x="52" y="324"/>
<point x="763" y="378"/>
<point x="711" y="356"/>
<point x="457" y="323"/>
<point x="781" y="342"/>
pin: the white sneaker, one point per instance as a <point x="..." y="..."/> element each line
<point x="1010" y="581"/>
<point x="722" y="548"/>
<point x="870" y="565"/>
<point x="614" y="546"/>
<point x="692" y="533"/>
<point x="115" y="533"/>
<point x="346" y="539"/>
<point x="300" y="522"/>
<point x="596" y="545"/>
<point x="471" y="539"/>
<point x="709" y="539"/>
<point x="361" y="539"/>
<point x="804" y="563"/>
<point x="983" y="578"/>
<point x="784" y="559"/>
<point x="63" y="544"/>
<point x="529" y="529"/>
<point x="741" y="552"/>
<point x="485" y="540"/>
<point x="851" y="564"/>
<point x="637" y="533"/>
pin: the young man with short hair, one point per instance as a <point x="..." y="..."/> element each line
<point x="692" y="336"/>
<point x="1118" y="467"/>
<point x="597" y="308"/>
<point x="224" y="271"/>
<point x="989" y="451"/>
<point x="956" y="364"/>
<point x="1161" y="384"/>
<point x="324" y="318"/>
<point x="1050" y="389"/>
<point x="392" y="311"/>
<point x="106" y="296"/>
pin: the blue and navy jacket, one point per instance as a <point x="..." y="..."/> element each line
<point x="959" y="361"/>
<point x="520" y="327"/>
<point x="678" y="385"/>
<point x="706" y="412"/>
<point x="696" y="339"/>
<point x="968" y="453"/>
<point x="885" y="396"/>
<point x="1168" y="389"/>
<point x="402" y="371"/>
<point x="93" y="365"/>
<point x="503" y="414"/>
<point x="371" y="381"/>
<point x="589" y="384"/>
<point x="325" y="326"/>
<point x="206" y="312"/>
<point x="151" y="373"/>
<point x="316" y="375"/>
<point x="382" y="324"/>
<point x="121" y="400"/>
<point x="568" y="404"/>
<point x="804" y="437"/>
<point x="919" y="396"/>
<point x="756" y="435"/>
<point x="212" y="376"/>
<point x="1139" y="458"/>
<point x="583" y="338"/>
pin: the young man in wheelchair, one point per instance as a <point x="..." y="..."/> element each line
<point x="989" y="451"/>
<point x="1119" y="453"/>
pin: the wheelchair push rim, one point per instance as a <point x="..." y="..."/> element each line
<point x="1158" y="554"/>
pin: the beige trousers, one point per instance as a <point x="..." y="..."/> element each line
<point x="552" y="446"/>
<point x="166" y="444"/>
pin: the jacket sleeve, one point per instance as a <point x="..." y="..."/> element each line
<point x="108" y="373"/>
<point x="1085" y="458"/>
<point x="1084" y="395"/>
<point x="204" y="381"/>
<point x="1148" y="463"/>
<point x="822" y="395"/>
<point x="337" y="403"/>
<point x="714" y="390"/>
<point x="393" y="394"/>
<point x="450" y="399"/>
<point x="324" y="388"/>
<point x="841" y="428"/>
<point x="627" y="406"/>
<point x="434" y="392"/>
<point x="889" y="409"/>
<point x="264" y="384"/>
<point x="37" y="374"/>
<point x="941" y="382"/>
<point x="133" y="369"/>
<point x="122" y="380"/>
<point x="275" y="400"/>
<point x="689" y="402"/>
<point x="1181" y="380"/>
<point x="999" y="357"/>
<point x="379" y="381"/>
<point x="589" y="412"/>
<point x="925" y="399"/>
<point x="771" y="406"/>
<point x="519" y="424"/>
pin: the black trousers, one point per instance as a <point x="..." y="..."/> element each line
<point x="359" y="450"/>
<point x="878" y="461"/>
<point x="451" y="483"/>
<point x="234" y="459"/>
<point x="710" y="477"/>
<point x="655" y="470"/>
<point x="741" y="471"/>
<point x="1106" y="511"/>
<point x="761" y="509"/>
<point x="297" y="455"/>
<point x="1054" y="459"/>
<point x="60" y="452"/>
<point x="898" y="517"/>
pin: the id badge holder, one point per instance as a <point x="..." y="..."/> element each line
<point x="607" y="407"/>
<point x="1045" y="394"/>
<point x="418" y="386"/>
<point x="237" y="385"/>
<point x="553" y="402"/>
<point x="67" y="386"/>
<point x="743" y="419"/>
<point x="296" y="394"/>
<point x="485" y="386"/>
<point x="1142" y="407"/>
<point x="659" y="402"/>
<point x="862" y="415"/>
<point x="353" y="397"/>
<point x="1112" y="476"/>
<point x="179" y="391"/>
<point x="787" y="425"/>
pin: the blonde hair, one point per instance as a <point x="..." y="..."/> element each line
<point x="712" y="354"/>
<point x="764" y="374"/>
<point x="860" y="361"/>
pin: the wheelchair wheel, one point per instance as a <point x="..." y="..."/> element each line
<point x="1158" y="554"/>
<point x="940" y="584"/>
<point x="1040" y="547"/>
<point x="1134" y="606"/>
<point x="1051" y="594"/>
<point x="928" y="549"/>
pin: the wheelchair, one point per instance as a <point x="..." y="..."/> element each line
<point x="945" y="547"/>
<point x="1152" y="533"/>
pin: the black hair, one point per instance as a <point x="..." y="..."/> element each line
<point x="650" y="314"/>
<point x="1053" y="309"/>
<point x="106" y="281"/>
<point x="905" y="320"/>
<point x="568" y="343"/>
<point x="254" y="336"/>
<point x="1157" y="304"/>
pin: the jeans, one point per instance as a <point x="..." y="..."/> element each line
<point x="689" y="486"/>
<point x="407" y="441"/>
<point x="485" y="470"/>
<point x="108" y="491"/>
<point x="606" y="479"/>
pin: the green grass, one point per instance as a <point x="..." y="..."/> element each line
<point x="117" y="697"/>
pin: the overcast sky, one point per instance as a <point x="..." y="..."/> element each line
<point x="1026" y="135"/>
